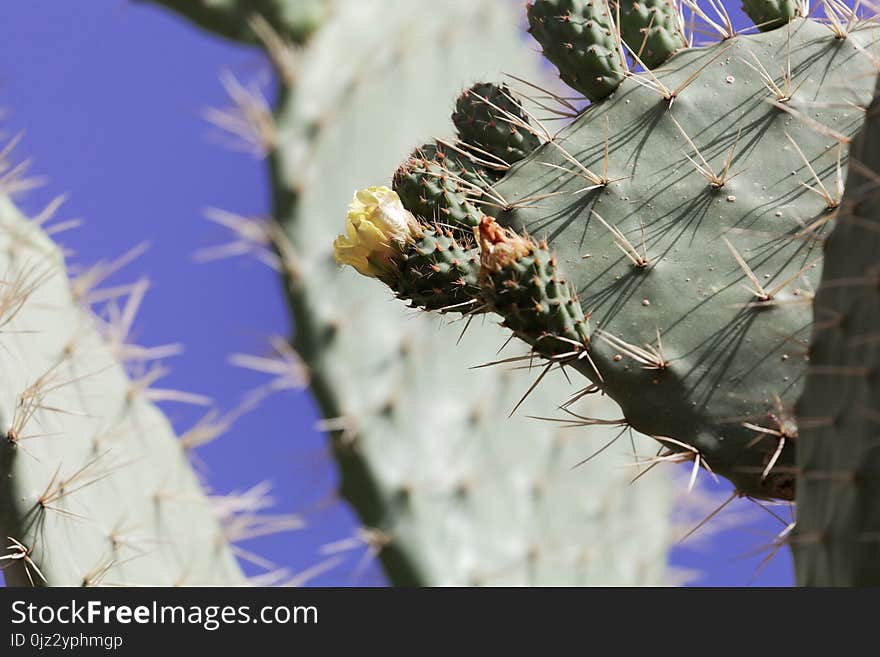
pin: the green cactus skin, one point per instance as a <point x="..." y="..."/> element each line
<point x="294" y="20"/>
<point x="93" y="482"/>
<point x="771" y="14"/>
<point x="695" y="253"/>
<point x="453" y="491"/>
<point x="438" y="184"/>
<point x="488" y="117"/>
<point x="732" y="362"/>
<point x="653" y="29"/>
<point x="835" y="542"/>
<point x="580" y="39"/>
<point x="439" y="273"/>
<point x="522" y="284"/>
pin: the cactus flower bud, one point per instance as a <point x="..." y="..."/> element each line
<point x="376" y="228"/>
<point x="499" y="247"/>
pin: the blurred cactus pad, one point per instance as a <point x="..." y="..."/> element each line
<point x="837" y="538"/>
<point x="666" y="242"/>
<point x="96" y="488"/>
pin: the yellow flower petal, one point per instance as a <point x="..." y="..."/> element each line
<point x="376" y="227"/>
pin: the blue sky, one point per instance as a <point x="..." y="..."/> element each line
<point x="109" y="96"/>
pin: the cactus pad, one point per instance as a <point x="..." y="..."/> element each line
<point x="708" y="237"/>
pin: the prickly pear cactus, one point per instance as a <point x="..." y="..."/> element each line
<point x="702" y="241"/>
<point x="673" y="231"/>
<point x="95" y="488"/>
<point x="836" y="541"/>
<point x="450" y="490"/>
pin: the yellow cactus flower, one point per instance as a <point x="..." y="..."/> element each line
<point x="376" y="228"/>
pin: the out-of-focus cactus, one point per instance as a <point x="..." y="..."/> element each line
<point x="836" y="541"/>
<point x="682" y="218"/>
<point x="295" y="20"/>
<point x="95" y="488"/>
<point x="449" y="489"/>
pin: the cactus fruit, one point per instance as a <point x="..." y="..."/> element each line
<point x="771" y="14"/>
<point x="653" y="29"/>
<point x="96" y="488"/>
<point x="442" y="184"/>
<point x="686" y="211"/>
<point x="836" y="541"/>
<point x="488" y="117"/>
<point x="448" y="489"/>
<point x="580" y="38"/>
<point x="440" y="273"/>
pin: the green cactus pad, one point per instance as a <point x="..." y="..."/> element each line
<point x="837" y="538"/>
<point x="770" y="14"/>
<point x="580" y="38"/>
<point x="490" y="118"/>
<point x="708" y="237"/>
<point x="653" y="29"/>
